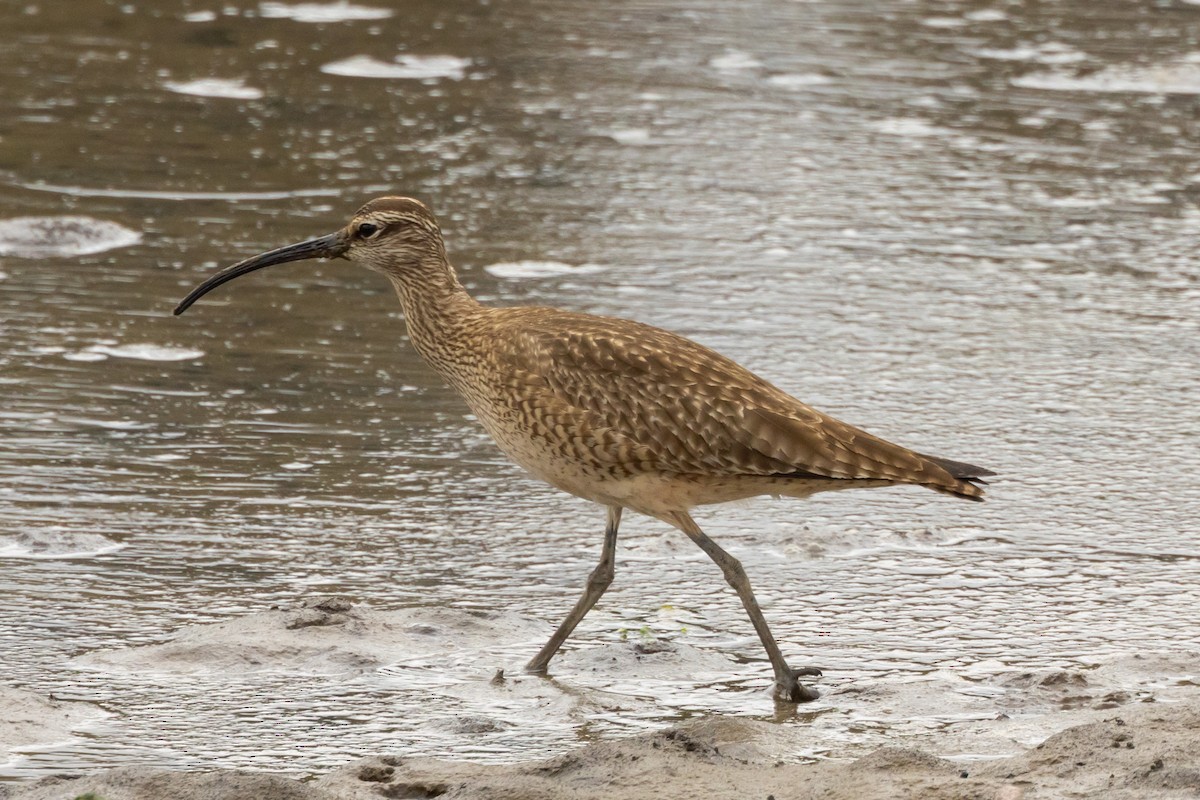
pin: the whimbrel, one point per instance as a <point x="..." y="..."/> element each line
<point x="617" y="412"/>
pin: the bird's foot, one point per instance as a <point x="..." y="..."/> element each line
<point x="791" y="690"/>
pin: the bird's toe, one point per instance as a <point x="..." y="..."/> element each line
<point x="793" y="691"/>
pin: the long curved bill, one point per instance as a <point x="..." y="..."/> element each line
<point x="332" y="246"/>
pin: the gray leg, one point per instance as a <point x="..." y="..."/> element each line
<point x="787" y="687"/>
<point x="597" y="582"/>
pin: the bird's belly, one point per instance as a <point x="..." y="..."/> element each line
<point x="559" y="457"/>
<point x="549" y="460"/>
<point x="559" y="462"/>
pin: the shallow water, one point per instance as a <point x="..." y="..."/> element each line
<point x="968" y="227"/>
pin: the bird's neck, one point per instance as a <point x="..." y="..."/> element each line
<point x="438" y="311"/>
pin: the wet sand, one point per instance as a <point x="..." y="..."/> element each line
<point x="1127" y="728"/>
<point x="1137" y="752"/>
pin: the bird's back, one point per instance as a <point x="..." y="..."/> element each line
<point x="608" y="399"/>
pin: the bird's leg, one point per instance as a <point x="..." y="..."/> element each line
<point x="597" y="582"/>
<point x="787" y="687"/>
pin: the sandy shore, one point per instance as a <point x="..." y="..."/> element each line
<point x="1149" y="751"/>
<point x="1128" y="728"/>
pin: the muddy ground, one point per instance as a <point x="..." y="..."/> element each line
<point x="1127" y="728"/>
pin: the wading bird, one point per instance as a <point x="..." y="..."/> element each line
<point x="620" y="413"/>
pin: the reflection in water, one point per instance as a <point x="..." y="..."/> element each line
<point x="962" y="226"/>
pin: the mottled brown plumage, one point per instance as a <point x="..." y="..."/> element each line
<point x="614" y="411"/>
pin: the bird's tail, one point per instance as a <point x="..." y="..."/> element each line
<point x="968" y="478"/>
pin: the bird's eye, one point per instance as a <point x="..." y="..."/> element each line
<point x="367" y="229"/>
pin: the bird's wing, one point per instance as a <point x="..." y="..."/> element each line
<point x="684" y="408"/>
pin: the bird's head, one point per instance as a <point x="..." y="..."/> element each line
<point x="391" y="235"/>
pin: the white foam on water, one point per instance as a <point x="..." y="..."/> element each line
<point x="1044" y="53"/>
<point x="734" y="61"/>
<point x="630" y="136"/>
<point x="1181" y="76"/>
<point x="86" y="356"/>
<point x="56" y="542"/>
<point x="200" y="16"/>
<point x="798" y="80"/>
<point x="105" y="424"/>
<point x="943" y="22"/>
<point x="986" y="15"/>
<point x="175" y="196"/>
<point x="539" y="269"/>
<point x="44" y="237"/>
<point x="321" y="12"/>
<point x="143" y="352"/>
<point x="408" y="67"/>
<point x="228" y="88"/>
<point x="908" y="126"/>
